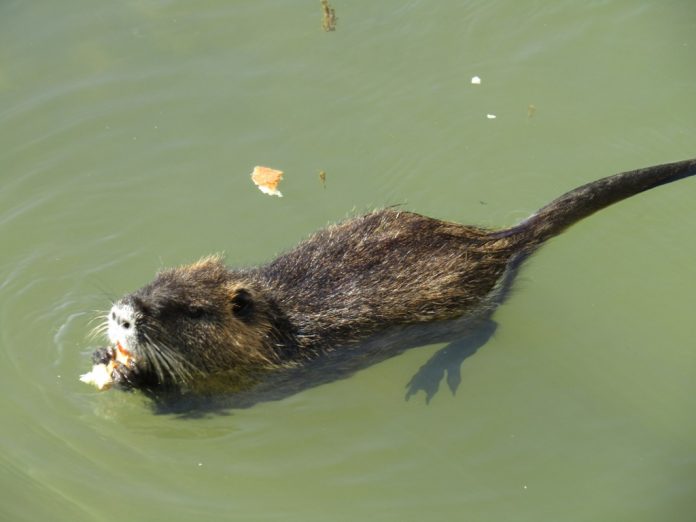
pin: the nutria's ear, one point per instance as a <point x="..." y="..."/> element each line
<point x="242" y="303"/>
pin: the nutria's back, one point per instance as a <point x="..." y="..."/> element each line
<point x="204" y="327"/>
<point x="385" y="268"/>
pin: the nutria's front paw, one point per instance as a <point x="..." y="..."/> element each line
<point x="124" y="377"/>
<point x="103" y="355"/>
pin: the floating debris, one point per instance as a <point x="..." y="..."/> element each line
<point x="322" y="177"/>
<point x="328" y="19"/>
<point x="531" y="110"/>
<point x="476" y="80"/>
<point x="267" y="180"/>
<point x="491" y="116"/>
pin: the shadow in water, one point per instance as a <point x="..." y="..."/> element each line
<point x="449" y="361"/>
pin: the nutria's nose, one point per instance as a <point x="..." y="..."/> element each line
<point x="122" y="315"/>
<point x="122" y="327"/>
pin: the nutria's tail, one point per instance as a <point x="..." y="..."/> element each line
<point x="588" y="199"/>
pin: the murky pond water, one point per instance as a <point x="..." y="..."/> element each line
<point x="128" y="131"/>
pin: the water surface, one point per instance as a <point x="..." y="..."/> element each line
<point x="128" y="131"/>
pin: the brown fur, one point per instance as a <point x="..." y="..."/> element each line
<point x="217" y="328"/>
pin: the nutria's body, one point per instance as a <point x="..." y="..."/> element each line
<point x="205" y="327"/>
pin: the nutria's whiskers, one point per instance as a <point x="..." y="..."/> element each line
<point x="100" y="329"/>
<point x="169" y="365"/>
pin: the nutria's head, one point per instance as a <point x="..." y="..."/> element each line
<point x="194" y="323"/>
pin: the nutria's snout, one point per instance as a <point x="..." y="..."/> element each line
<point x="122" y="325"/>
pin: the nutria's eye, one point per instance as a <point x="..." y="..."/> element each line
<point x="196" y="313"/>
<point x="242" y="303"/>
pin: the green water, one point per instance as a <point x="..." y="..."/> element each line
<point x="127" y="134"/>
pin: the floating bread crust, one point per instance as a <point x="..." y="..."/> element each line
<point x="267" y="179"/>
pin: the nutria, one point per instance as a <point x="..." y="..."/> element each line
<point x="207" y="328"/>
